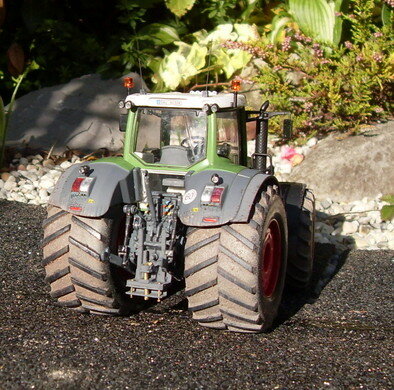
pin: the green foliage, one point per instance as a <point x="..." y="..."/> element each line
<point x="190" y="60"/>
<point x="66" y="39"/>
<point x="318" y="19"/>
<point x="172" y="39"/>
<point x="387" y="15"/>
<point x="387" y="212"/>
<point x="180" y="7"/>
<point x="329" y="87"/>
<point x="5" y="115"/>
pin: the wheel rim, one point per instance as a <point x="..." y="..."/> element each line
<point x="271" y="258"/>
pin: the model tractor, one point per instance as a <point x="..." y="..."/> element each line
<point x="181" y="204"/>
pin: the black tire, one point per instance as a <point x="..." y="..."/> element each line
<point x="224" y="269"/>
<point x="201" y="261"/>
<point x="78" y="278"/>
<point x="302" y="244"/>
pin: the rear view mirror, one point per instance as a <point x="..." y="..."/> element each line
<point x="122" y="122"/>
<point x="287" y="128"/>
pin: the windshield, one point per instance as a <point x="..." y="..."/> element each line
<point x="171" y="136"/>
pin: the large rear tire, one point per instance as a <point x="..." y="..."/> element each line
<point x="201" y="262"/>
<point x="235" y="274"/>
<point x="72" y="246"/>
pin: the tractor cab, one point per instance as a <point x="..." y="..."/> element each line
<point x="181" y="130"/>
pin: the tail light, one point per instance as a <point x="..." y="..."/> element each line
<point x="212" y="195"/>
<point x="82" y="184"/>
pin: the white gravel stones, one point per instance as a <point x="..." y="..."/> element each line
<point x="355" y="225"/>
<point x="34" y="182"/>
<point x="350" y="227"/>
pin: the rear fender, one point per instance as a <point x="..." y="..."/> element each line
<point x="113" y="185"/>
<point x="293" y="198"/>
<point x="239" y="196"/>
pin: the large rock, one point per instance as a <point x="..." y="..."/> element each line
<point x="82" y="114"/>
<point x="351" y="168"/>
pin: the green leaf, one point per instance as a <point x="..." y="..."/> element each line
<point x="180" y="7"/>
<point x="159" y="34"/>
<point x="336" y="6"/>
<point x="170" y="70"/>
<point x="222" y="32"/>
<point x="315" y="18"/>
<point x="387" y="15"/>
<point x="278" y="23"/>
<point x="246" y="32"/>
<point x="251" y="5"/>
<point x="388" y="198"/>
<point x="197" y="56"/>
<point x="387" y="213"/>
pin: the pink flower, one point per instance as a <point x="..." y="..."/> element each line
<point x="286" y="44"/>
<point x="377" y="57"/>
<point x="349" y="45"/>
<point x="378" y="34"/>
<point x="287" y="152"/>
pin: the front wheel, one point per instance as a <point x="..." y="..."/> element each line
<point x="238" y="284"/>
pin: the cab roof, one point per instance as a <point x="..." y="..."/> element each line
<point x="194" y="99"/>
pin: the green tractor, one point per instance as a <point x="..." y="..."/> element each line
<point x="181" y="204"/>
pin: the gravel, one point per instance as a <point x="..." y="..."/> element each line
<point x="336" y="335"/>
<point x="346" y="225"/>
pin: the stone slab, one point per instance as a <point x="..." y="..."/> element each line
<point x="82" y="114"/>
<point x="352" y="168"/>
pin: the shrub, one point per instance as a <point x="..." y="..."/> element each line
<point x="329" y="87"/>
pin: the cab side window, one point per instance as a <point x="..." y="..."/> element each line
<point x="227" y="135"/>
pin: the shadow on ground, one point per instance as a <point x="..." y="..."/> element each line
<point x="320" y="346"/>
<point x="327" y="264"/>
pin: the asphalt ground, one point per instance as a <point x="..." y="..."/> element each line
<point x="337" y="335"/>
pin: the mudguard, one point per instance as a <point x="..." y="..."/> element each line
<point x="112" y="185"/>
<point x="238" y="197"/>
<point x="293" y="198"/>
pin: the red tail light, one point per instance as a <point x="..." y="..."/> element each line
<point x="77" y="184"/>
<point x="212" y="195"/>
<point x="216" y="196"/>
<point x="82" y="184"/>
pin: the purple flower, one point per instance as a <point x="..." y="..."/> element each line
<point x="377" y="57"/>
<point x="349" y="45"/>
<point x="286" y="44"/>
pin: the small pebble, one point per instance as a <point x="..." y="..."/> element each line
<point x="5" y="176"/>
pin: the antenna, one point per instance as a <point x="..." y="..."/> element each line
<point x="209" y="70"/>
<point x="139" y="63"/>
